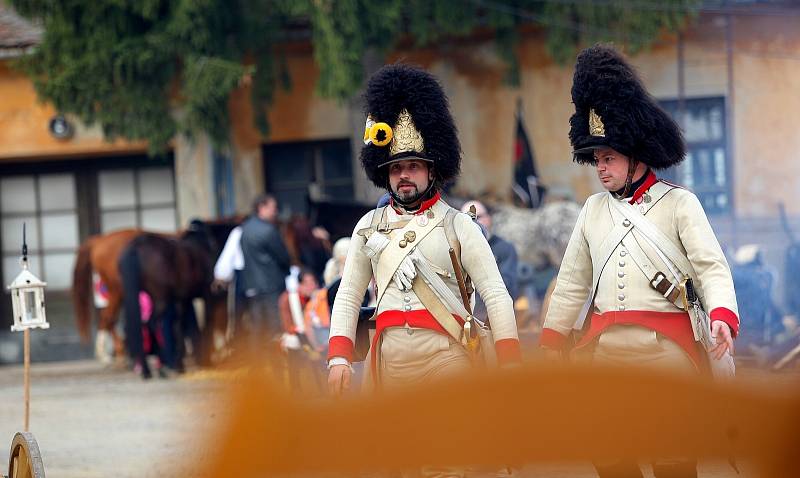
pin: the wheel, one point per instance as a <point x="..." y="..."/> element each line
<point x="25" y="460"/>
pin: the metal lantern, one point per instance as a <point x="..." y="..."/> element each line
<point x="27" y="299"/>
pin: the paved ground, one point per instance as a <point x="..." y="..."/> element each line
<point x="94" y="421"/>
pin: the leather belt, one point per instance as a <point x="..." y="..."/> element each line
<point x="666" y="288"/>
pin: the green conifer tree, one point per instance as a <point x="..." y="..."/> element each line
<point x="148" y="69"/>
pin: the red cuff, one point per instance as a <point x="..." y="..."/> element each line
<point x="726" y="315"/>
<point x="552" y="340"/>
<point x="508" y="351"/>
<point x="340" y="346"/>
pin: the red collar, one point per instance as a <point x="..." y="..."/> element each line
<point x="648" y="182"/>
<point x="422" y="207"/>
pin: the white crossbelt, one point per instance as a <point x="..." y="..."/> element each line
<point x="436" y="283"/>
<point x="676" y="261"/>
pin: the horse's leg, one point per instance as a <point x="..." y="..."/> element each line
<point x="155" y="327"/>
<point x="191" y="329"/>
<point x="172" y="353"/>
<point x="214" y="310"/>
<point x="108" y="318"/>
<point x="129" y="270"/>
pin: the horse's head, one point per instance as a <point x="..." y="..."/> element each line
<point x="198" y="234"/>
<point x="210" y="235"/>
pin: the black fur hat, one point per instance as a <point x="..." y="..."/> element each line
<point x="426" y="132"/>
<point x="612" y="108"/>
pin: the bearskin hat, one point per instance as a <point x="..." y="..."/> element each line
<point x="408" y="117"/>
<point x="612" y="108"/>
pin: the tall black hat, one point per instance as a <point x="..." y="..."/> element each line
<point x="408" y="117"/>
<point x="613" y="109"/>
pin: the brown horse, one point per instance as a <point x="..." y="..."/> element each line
<point x="100" y="254"/>
<point x="174" y="271"/>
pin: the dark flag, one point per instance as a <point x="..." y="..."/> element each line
<point x="526" y="180"/>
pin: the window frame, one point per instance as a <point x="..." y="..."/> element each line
<point x="315" y="171"/>
<point x="673" y="107"/>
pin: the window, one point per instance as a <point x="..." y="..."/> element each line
<point x="137" y="197"/>
<point x="706" y="170"/>
<point x="47" y="205"/>
<point x="293" y="170"/>
<point x="61" y="203"/>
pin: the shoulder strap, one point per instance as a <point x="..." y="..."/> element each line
<point x="436" y="307"/>
<point x="378" y="216"/>
<point x="455" y="258"/>
<point x="450" y="231"/>
<point x="667" y="250"/>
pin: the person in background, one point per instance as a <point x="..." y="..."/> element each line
<point x="228" y="276"/>
<point x="335" y="265"/>
<point x="267" y="264"/>
<point x="504" y="254"/>
<point x="312" y="245"/>
<point x="298" y="340"/>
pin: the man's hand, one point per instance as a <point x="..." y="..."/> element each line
<point x="219" y="285"/>
<point x="721" y="334"/>
<point x="339" y="379"/>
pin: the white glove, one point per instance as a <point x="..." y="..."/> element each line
<point x="405" y="274"/>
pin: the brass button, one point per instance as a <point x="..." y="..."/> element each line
<point x="621" y="308"/>
<point x="623" y="253"/>
<point x="407" y="299"/>
<point x="622" y="263"/>
<point x="626" y="223"/>
<point x="407" y="308"/>
<point x="621" y="297"/>
<point x="620" y="274"/>
<point x="403" y="243"/>
<point x="621" y="285"/>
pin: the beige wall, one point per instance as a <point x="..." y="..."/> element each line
<point x="24" y="122"/>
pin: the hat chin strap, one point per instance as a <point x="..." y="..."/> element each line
<point x="428" y="193"/>
<point x="632" y="164"/>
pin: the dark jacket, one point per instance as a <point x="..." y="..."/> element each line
<point x="266" y="260"/>
<point x="506" y="257"/>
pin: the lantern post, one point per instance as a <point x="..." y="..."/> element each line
<point x="27" y="300"/>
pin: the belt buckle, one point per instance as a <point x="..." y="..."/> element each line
<point x="656" y="280"/>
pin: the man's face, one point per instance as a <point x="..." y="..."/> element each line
<point x="612" y="168"/>
<point x="409" y="178"/>
<point x="307" y="285"/>
<point x="268" y="211"/>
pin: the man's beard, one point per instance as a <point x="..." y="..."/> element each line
<point x="408" y="196"/>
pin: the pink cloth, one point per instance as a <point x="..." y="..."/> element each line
<point x="145" y="305"/>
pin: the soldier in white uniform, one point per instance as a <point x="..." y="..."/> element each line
<point x="618" y="254"/>
<point x="412" y="150"/>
